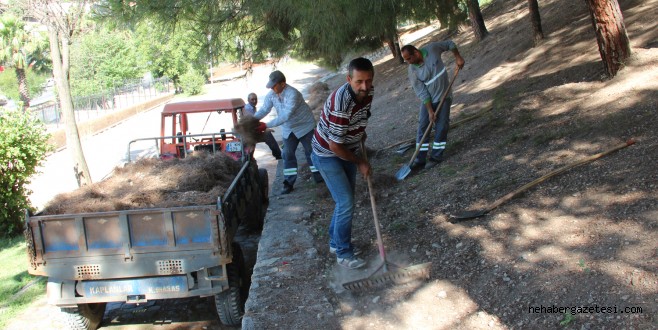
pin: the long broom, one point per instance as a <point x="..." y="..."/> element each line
<point x="382" y="275"/>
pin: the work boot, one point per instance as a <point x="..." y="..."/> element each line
<point x="287" y="188"/>
<point x="432" y="162"/>
<point x="416" y="165"/>
<point x="317" y="177"/>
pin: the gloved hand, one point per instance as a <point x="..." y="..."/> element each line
<point x="261" y="127"/>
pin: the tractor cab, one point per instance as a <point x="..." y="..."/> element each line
<point x="200" y="125"/>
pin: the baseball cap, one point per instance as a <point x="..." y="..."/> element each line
<point x="275" y="78"/>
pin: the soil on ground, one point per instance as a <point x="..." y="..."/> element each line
<point x="578" y="250"/>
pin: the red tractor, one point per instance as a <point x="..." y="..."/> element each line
<point x="200" y="125"/>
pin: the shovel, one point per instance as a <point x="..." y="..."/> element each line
<point x="382" y="274"/>
<point x="406" y="169"/>
<point x="464" y="215"/>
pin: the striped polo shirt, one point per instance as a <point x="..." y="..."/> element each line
<point x="343" y="121"/>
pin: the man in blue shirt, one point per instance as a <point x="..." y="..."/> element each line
<point x="250" y="109"/>
<point x="297" y="125"/>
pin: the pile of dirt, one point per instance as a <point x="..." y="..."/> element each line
<point x="148" y="183"/>
<point x="318" y="93"/>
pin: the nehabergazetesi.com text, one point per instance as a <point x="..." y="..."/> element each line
<point x="595" y="309"/>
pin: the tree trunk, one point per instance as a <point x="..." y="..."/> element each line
<point x="23" y="90"/>
<point x="535" y="19"/>
<point x="477" y="21"/>
<point x="59" y="52"/>
<point x="391" y="46"/>
<point x="611" y="36"/>
<point x="398" y="53"/>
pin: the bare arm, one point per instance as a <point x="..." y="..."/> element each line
<point x="459" y="60"/>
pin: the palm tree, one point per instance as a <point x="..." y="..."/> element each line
<point x="13" y="40"/>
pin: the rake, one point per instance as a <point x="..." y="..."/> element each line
<point x="382" y="274"/>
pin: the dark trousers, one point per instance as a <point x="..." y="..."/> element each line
<point x="441" y="134"/>
<point x="274" y="146"/>
<point x="290" y="160"/>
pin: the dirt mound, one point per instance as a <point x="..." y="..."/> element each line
<point x="318" y="93"/>
<point x="148" y="183"/>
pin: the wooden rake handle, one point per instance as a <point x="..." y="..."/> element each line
<point x="556" y="172"/>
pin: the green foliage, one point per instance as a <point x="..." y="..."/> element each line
<point x="323" y="30"/>
<point x="9" y="84"/>
<point x="169" y="53"/>
<point x="192" y="82"/>
<point x="102" y="59"/>
<point x="13" y="38"/>
<point x="18" y="289"/>
<point x="23" y="146"/>
<point x="567" y="319"/>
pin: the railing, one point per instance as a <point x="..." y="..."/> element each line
<point x="185" y="142"/>
<point x="97" y="105"/>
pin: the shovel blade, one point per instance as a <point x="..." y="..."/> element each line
<point x="465" y="215"/>
<point x="403" y="172"/>
<point x="404" y="148"/>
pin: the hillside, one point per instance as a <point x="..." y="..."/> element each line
<point x="586" y="237"/>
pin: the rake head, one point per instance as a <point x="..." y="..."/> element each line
<point x="398" y="276"/>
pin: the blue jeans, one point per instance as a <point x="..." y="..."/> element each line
<point x="441" y="134"/>
<point x="290" y="160"/>
<point x="340" y="177"/>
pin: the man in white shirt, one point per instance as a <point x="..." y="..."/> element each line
<point x="297" y="125"/>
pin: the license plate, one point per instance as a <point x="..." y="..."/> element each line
<point x="234" y="147"/>
<point x="155" y="285"/>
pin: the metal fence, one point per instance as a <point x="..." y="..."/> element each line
<point x="97" y="105"/>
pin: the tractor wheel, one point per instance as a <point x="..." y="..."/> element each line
<point x="230" y="303"/>
<point x="263" y="179"/>
<point x="84" y="317"/>
<point x="257" y="206"/>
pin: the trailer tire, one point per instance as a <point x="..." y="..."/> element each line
<point x="256" y="206"/>
<point x="229" y="303"/>
<point x="264" y="180"/>
<point x="84" y="317"/>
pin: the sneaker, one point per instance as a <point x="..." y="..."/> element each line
<point x="287" y="188"/>
<point x="416" y="165"/>
<point x="431" y="163"/>
<point x="355" y="250"/>
<point x="351" y="262"/>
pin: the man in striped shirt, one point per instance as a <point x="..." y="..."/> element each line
<point x="429" y="78"/>
<point x="336" y="142"/>
<point x="297" y="123"/>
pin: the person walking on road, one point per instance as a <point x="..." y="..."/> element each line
<point x="340" y="130"/>
<point x="429" y="78"/>
<point x="250" y="109"/>
<point x="297" y="123"/>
